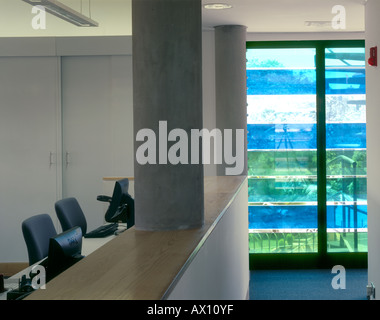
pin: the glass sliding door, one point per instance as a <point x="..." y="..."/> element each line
<point x="282" y="143"/>
<point x="346" y="167"/>
<point x="306" y="151"/>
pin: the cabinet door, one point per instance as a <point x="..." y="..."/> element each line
<point x="29" y="176"/>
<point x="97" y="127"/>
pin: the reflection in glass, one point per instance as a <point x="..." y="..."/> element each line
<point x="346" y="150"/>
<point x="282" y="142"/>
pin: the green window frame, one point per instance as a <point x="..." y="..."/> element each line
<point x="322" y="258"/>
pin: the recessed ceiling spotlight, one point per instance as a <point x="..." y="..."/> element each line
<point x="217" y="6"/>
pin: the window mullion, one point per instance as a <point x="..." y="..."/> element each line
<point x="321" y="148"/>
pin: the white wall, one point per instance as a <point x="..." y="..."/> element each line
<point x="373" y="147"/>
<point x="220" y="269"/>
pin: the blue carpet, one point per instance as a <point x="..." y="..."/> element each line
<point x="306" y="285"/>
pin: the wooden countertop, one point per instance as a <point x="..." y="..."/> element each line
<point x="141" y="265"/>
<point x="117" y="178"/>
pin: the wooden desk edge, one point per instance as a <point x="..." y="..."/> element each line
<point x="118" y="178"/>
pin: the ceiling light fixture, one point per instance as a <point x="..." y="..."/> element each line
<point x="217" y="6"/>
<point x="64" y="12"/>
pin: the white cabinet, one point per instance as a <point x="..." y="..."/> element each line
<point x="29" y="135"/>
<point x="97" y="127"/>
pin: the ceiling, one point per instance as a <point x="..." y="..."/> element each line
<point x="114" y="17"/>
<point x="286" y="15"/>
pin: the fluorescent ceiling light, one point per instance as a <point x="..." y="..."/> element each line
<point x="64" y="12"/>
<point x="217" y="6"/>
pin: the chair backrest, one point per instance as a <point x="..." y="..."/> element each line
<point x="70" y="214"/>
<point x="37" y="231"/>
<point x="119" y="192"/>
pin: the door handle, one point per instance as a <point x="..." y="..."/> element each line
<point x="67" y="159"/>
<point x="51" y="158"/>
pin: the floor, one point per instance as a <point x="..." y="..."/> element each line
<point x="345" y="284"/>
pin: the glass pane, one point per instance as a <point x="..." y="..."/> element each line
<point x="346" y="150"/>
<point x="282" y="158"/>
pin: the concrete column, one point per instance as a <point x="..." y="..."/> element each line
<point x="167" y="95"/>
<point x="231" y="90"/>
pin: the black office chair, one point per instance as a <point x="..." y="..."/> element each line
<point x="37" y="231"/>
<point x="121" y="204"/>
<point x="70" y="214"/>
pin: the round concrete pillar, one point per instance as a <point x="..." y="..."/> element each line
<point x="231" y="96"/>
<point x="167" y="97"/>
